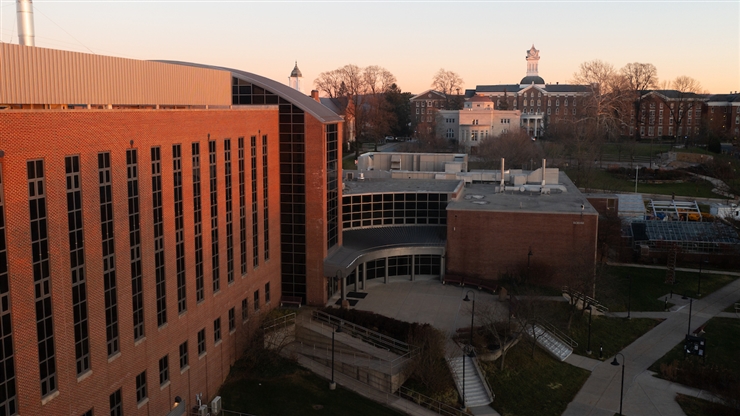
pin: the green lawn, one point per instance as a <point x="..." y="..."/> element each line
<point x="601" y="179"/>
<point x="533" y="386"/>
<point x="693" y="406"/>
<point x="723" y="344"/>
<point x="277" y="386"/>
<point x="648" y="285"/>
<point x="614" y="334"/>
<point x="640" y="149"/>
<point x="349" y="164"/>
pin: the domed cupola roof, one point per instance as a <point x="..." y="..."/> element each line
<point x="529" y="79"/>
<point x="296" y="72"/>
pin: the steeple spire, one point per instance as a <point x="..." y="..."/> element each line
<point x="294" y="81"/>
<point x="533" y="57"/>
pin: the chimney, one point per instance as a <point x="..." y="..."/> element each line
<point x="315" y="95"/>
<point x="502" y="174"/>
<point x="543" y="171"/>
<point x="24" y="9"/>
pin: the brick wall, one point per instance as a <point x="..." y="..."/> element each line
<point x="52" y="135"/>
<point x="488" y="244"/>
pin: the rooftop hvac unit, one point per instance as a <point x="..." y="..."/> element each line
<point x="203" y="411"/>
<point x="216" y="406"/>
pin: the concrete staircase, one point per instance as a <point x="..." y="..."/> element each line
<point x="550" y="342"/>
<point x="476" y="393"/>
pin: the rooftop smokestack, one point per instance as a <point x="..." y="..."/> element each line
<point x="26" y="33"/>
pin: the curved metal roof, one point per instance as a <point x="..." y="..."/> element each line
<point x="297" y="98"/>
<point x="398" y="240"/>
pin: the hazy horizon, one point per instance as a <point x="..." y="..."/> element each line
<point x="484" y="42"/>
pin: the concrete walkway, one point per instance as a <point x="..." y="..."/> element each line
<point x="642" y="395"/>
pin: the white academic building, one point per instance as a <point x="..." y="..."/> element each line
<point x="477" y="121"/>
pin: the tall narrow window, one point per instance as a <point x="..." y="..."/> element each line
<point x="164" y="370"/>
<point x="267" y="292"/>
<point x="197" y="225"/>
<point x="109" y="253"/>
<point x="217" y="331"/>
<point x="116" y="404"/>
<point x="256" y="300"/>
<point x="255" y="227"/>
<point x="213" y="184"/>
<point x="245" y="310"/>
<point x="141" y="394"/>
<point x="332" y="185"/>
<point x="77" y="263"/>
<point x="201" y="342"/>
<point x="158" y="222"/>
<point x="179" y="228"/>
<point x="265" y="213"/>
<point x="229" y="213"/>
<point x="242" y="210"/>
<point x="8" y="398"/>
<point x="134" y="230"/>
<point x="183" y="356"/>
<point x="232" y="320"/>
<point x="41" y="277"/>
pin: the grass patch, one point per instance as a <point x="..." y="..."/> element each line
<point x="349" y="164"/>
<point x="694" y="406"/>
<point x="602" y="179"/>
<point x="533" y="386"/>
<point x="648" y="285"/>
<point x="723" y="343"/>
<point x="278" y="386"/>
<point x="731" y="308"/>
<point x="614" y="334"/>
<point x="638" y="149"/>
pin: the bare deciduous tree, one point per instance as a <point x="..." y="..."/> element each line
<point x="448" y="83"/>
<point x="515" y="146"/>
<point x="639" y="78"/>
<point x="362" y="92"/>
<point x="682" y="96"/>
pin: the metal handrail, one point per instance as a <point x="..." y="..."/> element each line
<point x="586" y="299"/>
<point x="554" y="331"/>
<point x="374" y="338"/>
<point x="278" y="323"/>
<point x="428" y="402"/>
<point x="484" y="378"/>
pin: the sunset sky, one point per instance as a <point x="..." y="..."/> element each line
<point x="484" y="41"/>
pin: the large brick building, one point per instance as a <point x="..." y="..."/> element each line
<point x="150" y="213"/>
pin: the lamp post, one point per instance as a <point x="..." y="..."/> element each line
<point x="637" y="173"/>
<point x="691" y="303"/>
<point x="590" y="315"/>
<point x="701" y="261"/>
<point x="332" y="383"/>
<point x="472" y="318"/>
<point x="621" y="392"/>
<point x="629" y="295"/>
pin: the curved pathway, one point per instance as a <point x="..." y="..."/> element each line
<point x="644" y="394"/>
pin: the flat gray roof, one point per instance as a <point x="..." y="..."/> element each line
<point x="376" y="186"/>
<point x="483" y="197"/>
